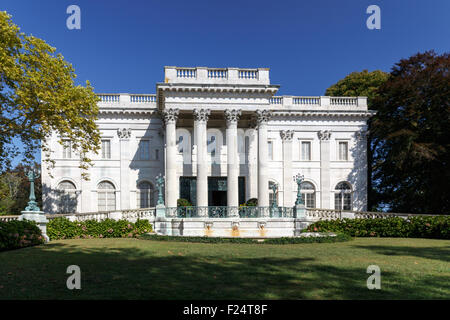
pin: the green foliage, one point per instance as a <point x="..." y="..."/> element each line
<point x="62" y="228"/>
<point x="436" y="227"/>
<point x="252" y="202"/>
<point x="183" y="203"/>
<point x="284" y="240"/>
<point x="15" y="188"/>
<point x="38" y="97"/>
<point x="16" y="234"/>
<point x="410" y="133"/>
<point x="362" y="83"/>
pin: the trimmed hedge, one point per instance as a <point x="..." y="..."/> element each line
<point x="17" y="234"/>
<point x="434" y="227"/>
<point x="62" y="228"/>
<point x="284" y="240"/>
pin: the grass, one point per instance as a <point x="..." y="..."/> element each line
<point x="147" y="269"/>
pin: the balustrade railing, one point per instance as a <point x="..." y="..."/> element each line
<point x="217" y="73"/>
<point x="186" y="73"/>
<point x="306" y="100"/>
<point x="344" y="101"/>
<point x="109" y="98"/>
<point x="248" y="74"/>
<point x="142" y="98"/>
<point x="8" y="218"/>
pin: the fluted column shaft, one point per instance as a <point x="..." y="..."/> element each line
<point x="286" y="136"/>
<point x="200" y="119"/>
<point x="232" y="117"/>
<point x="170" y="118"/>
<point x="263" y="180"/>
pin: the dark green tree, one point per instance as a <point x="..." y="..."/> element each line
<point x="411" y="136"/>
<point x="364" y="84"/>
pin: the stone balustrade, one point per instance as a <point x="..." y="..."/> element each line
<point x="125" y="99"/>
<point x="8" y="218"/>
<point x="217" y="75"/>
<point x="319" y="103"/>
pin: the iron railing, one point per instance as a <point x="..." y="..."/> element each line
<point x="230" y="212"/>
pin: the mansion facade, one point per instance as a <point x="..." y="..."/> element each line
<point x="219" y="136"/>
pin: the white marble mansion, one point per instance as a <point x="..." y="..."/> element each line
<point x="220" y="136"/>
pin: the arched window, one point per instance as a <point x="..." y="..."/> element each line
<point x="67" y="197"/>
<point x="106" y="196"/>
<point x="343" y="196"/>
<point x="145" y="195"/>
<point x="272" y="197"/>
<point x="308" y="194"/>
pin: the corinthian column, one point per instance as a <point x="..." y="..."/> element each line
<point x="232" y="117"/>
<point x="200" y="119"/>
<point x="286" y="136"/>
<point x="262" y="117"/>
<point x="170" y="117"/>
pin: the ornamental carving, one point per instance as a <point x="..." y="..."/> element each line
<point x="202" y="114"/>
<point x="170" y="115"/>
<point x="232" y="115"/>
<point x="361" y="135"/>
<point x="324" y="134"/>
<point x="262" y="116"/>
<point x="124" y="133"/>
<point x="286" y="135"/>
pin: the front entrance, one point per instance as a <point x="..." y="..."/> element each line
<point x="217" y="190"/>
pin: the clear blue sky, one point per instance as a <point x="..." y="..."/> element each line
<point x="308" y="45"/>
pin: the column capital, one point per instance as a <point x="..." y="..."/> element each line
<point x="232" y="116"/>
<point x="262" y="116"/>
<point x="170" y="115"/>
<point x="324" y="134"/>
<point x="202" y="115"/>
<point x="124" y="133"/>
<point x="287" y="135"/>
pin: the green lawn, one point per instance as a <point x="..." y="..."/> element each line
<point x="146" y="269"/>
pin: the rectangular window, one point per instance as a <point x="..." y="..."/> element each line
<point x="144" y="150"/>
<point x="343" y="151"/>
<point x="156" y="154"/>
<point x="306" y="151"/>
<point x="270" y="148"/>
<point x="67" y="149"/>
<point x="106" y="149"/>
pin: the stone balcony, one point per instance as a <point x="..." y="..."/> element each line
<point x="204" y="75"/>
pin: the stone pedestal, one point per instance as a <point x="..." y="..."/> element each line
<point x="40" y="219"/>
<point x="160" y="211"/>
<point x="300" y="211"/>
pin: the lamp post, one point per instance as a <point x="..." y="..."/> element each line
<point x="299" y="179"/>
<point x="32" y="204"/>
<point x="300" y="209"/>
<point x="160" y="184"/>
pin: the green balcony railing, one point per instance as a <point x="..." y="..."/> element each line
<point x="230" y="212"/>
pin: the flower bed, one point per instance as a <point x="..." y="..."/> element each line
<point x="17" y="234"/>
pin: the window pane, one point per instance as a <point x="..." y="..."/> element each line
<point x="67" y="149"/>
<point x="144" y="148"/>
<point x="338" y="201"/>
<point x="106" y="149"/>
<point x="343" y="150"/>
<point x="306" y="151"/>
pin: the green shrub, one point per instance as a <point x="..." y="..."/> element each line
<point x="16" y="234"/>
<point x="436" y="227"/>
<point x="183" y="203"/>
<point x="284" y="240"/>
<point x="62" y="228"/>
<point x="252" y="202"/>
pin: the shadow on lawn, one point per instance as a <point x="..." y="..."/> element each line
<point x="435" y="253"/>
<point x="132" y="273"/>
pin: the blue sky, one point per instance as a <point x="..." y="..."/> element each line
<point x="308" y="45"/>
